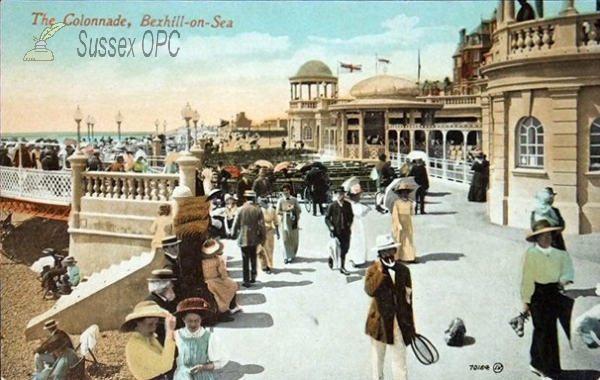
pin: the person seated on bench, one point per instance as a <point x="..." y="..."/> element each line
<point x="44" y="357"/>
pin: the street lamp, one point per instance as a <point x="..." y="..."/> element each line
<point x="195" y="119"/>
<point x="88" y="121"/>
<point x="119" y="119"/>
<point x="78" y="117"/>
<point x="93" y="122"/>
<point x="187" y="114"/>
<point x="165" y="127"/>
<point x="156" y="123"/>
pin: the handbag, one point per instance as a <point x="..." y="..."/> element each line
<point x="424" y="350"/>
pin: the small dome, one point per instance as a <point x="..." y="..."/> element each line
<point x="314" y="69"/>
<point x="385" y="86"/>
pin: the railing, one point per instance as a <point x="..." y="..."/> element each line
<point x="303" y="104"/>
<point x="452" y="100"/>
<point x="38" y="185"/>
<point x="154" y="187"/>
<point x="453" y="170"/>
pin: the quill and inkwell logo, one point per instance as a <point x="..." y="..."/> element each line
<point x="40" y="52"/>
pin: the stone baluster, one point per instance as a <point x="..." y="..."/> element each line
<point x="89" y="191"/>
<point x="126" y="188"/>
<point x="547" y="37"/>
<point x="528" y="42"/>
<point x="187" y="171"/>
<point x="139" y="188"/>
<point x="102" y="186"/>
<point x="147" y="185"/>
<point x="520" y="40"/>
<point x="109" y="188"/>
<point x="96" y="187"/>
<point x="537" y="38"/>
<point x="78" y="164"/>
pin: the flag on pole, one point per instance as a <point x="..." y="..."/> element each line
<point x="351" y="66"/>
<point x="419" y="67"/>
<point x="383" y="60"/>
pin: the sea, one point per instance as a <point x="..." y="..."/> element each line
<point x="62" y="136"/>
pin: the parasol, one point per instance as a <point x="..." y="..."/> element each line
<point x="282" y="165"/>
<point x="264" y="164"/>
<point x="416" y="154"/>
<point x="316" y="164"/>
<point x="171" y="158"/>
<point x="350" y="182"/>
<point x="390" y="195"/>
<point x="69" y="141"/>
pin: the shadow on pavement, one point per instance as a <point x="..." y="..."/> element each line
<point x="575" y="293"/>
<point x="276" y="284"/>
<point x="293" y="271"/>
<point x="445" y="256"/>
<point x="468" y="341"/>
<point x="441" y="212"/>
<point x="247" y="299"/>
<point x="440" y="194"/>
<point x="579" y="375"/>
<point x="309" y="260"/>
<point x="235" y="371"/>
<point x="248" y="320"/>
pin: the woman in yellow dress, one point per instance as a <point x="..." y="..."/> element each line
<point x="402" y="227"/>
<point x="272" y="228"/>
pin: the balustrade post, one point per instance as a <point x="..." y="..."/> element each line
<point x="78" y="165"/>
<point x="568" y="8"/>
<point x="156" y="150"/>
<point x="509" y="11"/>
<point x="187" y="171"/>
<point x="198" y="152"/>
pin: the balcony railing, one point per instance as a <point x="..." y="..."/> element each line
<point x="154" y="187"/>
<point x="42" y="186"/>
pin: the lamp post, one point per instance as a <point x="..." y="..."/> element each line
<point x="195" y="119"/>
<point x="156" y="123"/>
<point x="119" y="119"/>
<point x="165" y="127"/>
<point x="93" y="122"/>
<point x="78" y="116"/>
<point x="187" y="114"/>
<point x="88" y="121"/>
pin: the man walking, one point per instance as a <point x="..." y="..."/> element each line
<point x="250" y="225"/>
<point x="390" y="322"/>
<point x="419" y="171"/>
<point x="339" y="219"/>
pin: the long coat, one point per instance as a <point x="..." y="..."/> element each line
<point x="402" y="229"/>
<point x="250" y="223"/>
<point x="390" y="299"/>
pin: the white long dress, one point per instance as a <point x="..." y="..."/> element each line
<point x="357" y="254"/>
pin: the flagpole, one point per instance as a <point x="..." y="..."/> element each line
<point x="419" y="68"/>
<point x="376" y="64"/>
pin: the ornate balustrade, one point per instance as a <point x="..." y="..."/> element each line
<point x="154" y="187"/>
<point x="303" y="104"/>
<point x="42" y="186"/>
<point x="452" y="100"/>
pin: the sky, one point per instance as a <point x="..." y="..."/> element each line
<point x="239" y="61"/>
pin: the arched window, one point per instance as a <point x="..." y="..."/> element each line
<point x="308" y="133"/>
<point x="595" y="145"/>
<point x="530" y="146"/>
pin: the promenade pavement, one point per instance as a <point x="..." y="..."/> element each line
<point x="307" y="321"/>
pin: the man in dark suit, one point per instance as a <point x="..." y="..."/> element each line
<point x="339" y="220"/>
<point x="160" y="286"/>
<point x="56" y="337"/>
<point x="390" y="322"/>
<point x="249" y="226"/>
<point x="419" y="171"/>
<point x="243" y="185"/>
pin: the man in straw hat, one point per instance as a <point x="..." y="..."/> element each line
<point x="72" y="270"/>
<point x="162" y="292"/>
<point x="545" y="271"/>
<point x="65" y="361"/>
<point x="147" y="359"/>
<point x="200" y="351"/>
<point x="390" y="322"/>
<point x="339" y="218"/>
<point x="243" y="185"/>
<point x="43" y="354"/>
<point x="249" y="226"/>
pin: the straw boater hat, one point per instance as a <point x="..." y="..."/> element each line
<point x="50" y="324"/>
<point x="540" y="227"/>
<point x="211" y="248"/>
<point x="162" y="275"/>
<point x="404" y="186"/>
<point x="249" y="194"/>
<point x="385" y="242"/>
<point x="69" y="260"/>
<point x="194" y="305"/>
<point x="144" y="309"/>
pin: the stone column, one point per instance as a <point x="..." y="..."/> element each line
<point x="444" y="153"/>
<point x="568" y="8"/>
<point x="361" y="135"/>
<point x="198" y="152"/>
<point x="411" y="137"/>
<point x="78" y="163"/>
<point x="156" y="150"/>
<point x="509" y="11"/>
<point x="500" y="13"/>
<point x="187" y="170"/>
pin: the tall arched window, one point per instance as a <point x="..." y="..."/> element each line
<point x="595" y="145"/>
<point x="530" y="146"/>
<point x="308" y="133"/>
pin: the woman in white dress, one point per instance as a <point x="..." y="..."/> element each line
<point x="357" y="254"/>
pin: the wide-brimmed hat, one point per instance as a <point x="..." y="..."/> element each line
<point x="212" y="247"/>
<point x="195" y="305"/>
<point x="385" y="242"/>
<point x="162" y="275"/>
<point x="144" y="309"/>
<point x="69" y="260"/>
<point x="228" y="197"/>
<point x="170" y="241"/>
<point x="50" y="324"/>
<point x="213" y="193"/>
<point x="249" y="194"/>
<point x="402" y="186"/>
<point x="181" y="192"/>
<point x="540" y="227"/>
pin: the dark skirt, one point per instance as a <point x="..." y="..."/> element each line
<point x="547" y="304"/>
